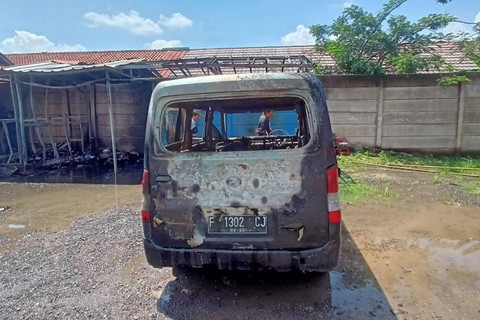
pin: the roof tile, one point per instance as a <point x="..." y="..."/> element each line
<point x="448" y="51"/>
<point x="93" y="57"/>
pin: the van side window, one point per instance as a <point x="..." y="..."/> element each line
<point x="172" y="128"/>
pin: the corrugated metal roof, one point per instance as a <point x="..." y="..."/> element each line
<point x="53" y="66"/>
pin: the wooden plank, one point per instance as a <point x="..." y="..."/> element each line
<point x="17" y="119"/>
<point x="112" y="124"/>
<point x="22" y="144"/>
<point x="122" y="120"/>
<point x="118" y="97"/>
<point x="419" y="117"/>
<point x="123" y="109"/>
<point x="131" y="144"/>
<point x="93" y="114"/>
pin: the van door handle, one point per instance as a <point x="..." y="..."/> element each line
<point x="163" y="179"/>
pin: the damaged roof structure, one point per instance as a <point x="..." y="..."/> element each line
<point x="67" y="100"/>
<point x="43" y="116"/>
<point x="4" y="60"/>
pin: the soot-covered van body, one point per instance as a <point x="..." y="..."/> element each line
<point x="241" y="173"/>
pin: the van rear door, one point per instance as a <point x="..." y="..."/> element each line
<point x="223" y="191"/>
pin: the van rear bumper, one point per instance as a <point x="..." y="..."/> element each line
<point x="321" y="259"/>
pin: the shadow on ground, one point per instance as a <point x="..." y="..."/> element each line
<point x="349" y="292"/>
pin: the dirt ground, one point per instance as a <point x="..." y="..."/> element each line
<point x="75" y="251"/>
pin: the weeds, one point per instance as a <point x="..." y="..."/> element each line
<point x="471" y="187"/>
<point x="449" y="202"/>
<point x="449" y="164"/>
<point x="437" y="179"/>
<point x="355" y="192"/>
<point x="388" y="193"/>
<point x="391" y="158"/>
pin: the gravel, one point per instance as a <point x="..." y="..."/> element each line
<point x="93" y="269"/>
<point x="96" y="269"/>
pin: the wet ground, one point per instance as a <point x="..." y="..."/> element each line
<point x="74" y="251"/>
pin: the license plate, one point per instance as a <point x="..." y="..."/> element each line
<point x="238" y="225"/>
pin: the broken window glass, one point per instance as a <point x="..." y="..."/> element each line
<point x="234" y="125"/>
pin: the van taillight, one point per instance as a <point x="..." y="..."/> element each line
<point x="146" y="216"/>
<point x="333" y="197"/>
<point x="145" y="183"/>
<point x="146" y="198"/>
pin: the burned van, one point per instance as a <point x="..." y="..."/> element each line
<point x="241" y="173"/>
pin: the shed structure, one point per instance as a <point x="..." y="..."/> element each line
<point x="55" y="104"/>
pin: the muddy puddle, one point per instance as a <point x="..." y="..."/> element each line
<point x="127" y="174"/>
<point x="408" y="256"/>
<point x="349" y="292"/>
<point x="49" y="202"/>
<point x="424" y="255"/>
<point x="395" y="264"/>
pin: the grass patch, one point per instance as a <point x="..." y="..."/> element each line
<point x="352" y="192"/>
<point x="437" y="179"/>
<point x="448" y="202"/>
<point x="394" y="158"/>
<point x="429" y="160"/>
<point x="388" y="193"/>
<point x="355" y="192"/>
<point x="346" y="163"/>
<point x="471" y="187"/>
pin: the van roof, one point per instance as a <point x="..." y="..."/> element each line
<point x="233" y="83"/>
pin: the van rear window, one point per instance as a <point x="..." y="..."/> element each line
<point x="233" y="125"/>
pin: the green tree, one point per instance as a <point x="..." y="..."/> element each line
<point x="365" y="43"/>
<point x="471" y="45"/>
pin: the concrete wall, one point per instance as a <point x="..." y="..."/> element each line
<point x="405" y="112"/>
<point x="391" y="112"/>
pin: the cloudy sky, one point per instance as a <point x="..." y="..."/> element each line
<point x="89" y="25"/>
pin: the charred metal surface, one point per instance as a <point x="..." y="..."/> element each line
<point x="286" y="186"/>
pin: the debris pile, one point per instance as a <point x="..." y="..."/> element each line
<point x="65" y="158"/>
<point x="7" y="171"/>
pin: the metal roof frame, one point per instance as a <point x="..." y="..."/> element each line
<point x="58" y="73"/>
